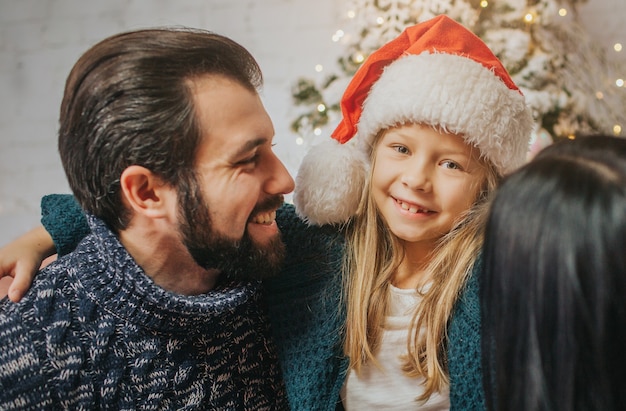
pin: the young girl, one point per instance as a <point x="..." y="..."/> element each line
<point x="554" y="281"/>
<point x="431" y="122"/>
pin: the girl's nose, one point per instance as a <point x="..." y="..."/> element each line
<point x="417" y="177"/>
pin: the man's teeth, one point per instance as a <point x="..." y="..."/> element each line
<point x="413" y="209"/>
<point x="264" y="218"/>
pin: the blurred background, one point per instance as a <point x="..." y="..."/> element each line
<point x="565" y="55"/>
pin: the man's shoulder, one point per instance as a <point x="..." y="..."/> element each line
<point x="45" y="297"/>
<point x="21" y="372"/>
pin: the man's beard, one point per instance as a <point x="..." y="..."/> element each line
<point x="235" y="259"/>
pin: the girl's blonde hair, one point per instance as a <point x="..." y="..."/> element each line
<point x="373" y="256"/>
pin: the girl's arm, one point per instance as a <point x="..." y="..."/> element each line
<point x="64" y="225"/>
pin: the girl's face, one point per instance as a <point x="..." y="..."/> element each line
<point x="423" y="180"/>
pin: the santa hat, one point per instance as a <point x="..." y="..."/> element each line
<point x="436" y="73"/>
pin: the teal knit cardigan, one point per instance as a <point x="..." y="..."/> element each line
<point x="307" y="315"/>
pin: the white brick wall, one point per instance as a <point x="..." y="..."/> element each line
<point x="41" y="39"/>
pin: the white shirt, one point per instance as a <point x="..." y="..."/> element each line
<point x="390" y="388"/>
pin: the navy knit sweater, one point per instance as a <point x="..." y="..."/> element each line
<point x="307" y="315"/>
<point x="94" y="332"/>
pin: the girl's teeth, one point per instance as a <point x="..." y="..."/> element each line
<point x="411" y="209"/>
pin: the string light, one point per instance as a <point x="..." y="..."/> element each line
<point x="338" y="35"/>
<point x="319" y="68"/>
<point x="299" y="141"/>
<point x="351" y="14"/>
<point x="484" y="4"/>
<point x="358" y="57"/>
<point x="617" y="47"/>
<point x="562" y="12"/>
<point x="619" y="82"/>
<point x="321" y="107"/>
<point x="571" y="136"/>
<point x="617" y="129"/>
<point x="380" y="20"/>
<point x="317" y="131"/>
<point x="529" y="17"/>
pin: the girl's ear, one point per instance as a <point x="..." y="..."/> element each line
<point x="145" y="192"/>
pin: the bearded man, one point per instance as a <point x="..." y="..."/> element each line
<point x="168" y="149"/>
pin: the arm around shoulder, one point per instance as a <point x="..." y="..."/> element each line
<point x="22" y="258"/>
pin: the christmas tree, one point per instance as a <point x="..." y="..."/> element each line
<point x="570" y="85"/>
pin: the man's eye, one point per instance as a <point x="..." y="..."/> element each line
<point x="249" y="160"/>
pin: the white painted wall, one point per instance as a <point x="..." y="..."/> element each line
<point x="41" y="39"/>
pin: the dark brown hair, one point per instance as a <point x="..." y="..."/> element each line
<point x="127" y="102"/>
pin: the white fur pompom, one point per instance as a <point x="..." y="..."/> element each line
<point x="329" y="183"/>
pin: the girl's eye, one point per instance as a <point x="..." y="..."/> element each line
<point x="451" y="165"/>
<point x="401" y="149"/>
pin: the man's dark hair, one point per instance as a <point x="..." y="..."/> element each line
<point x="128" y="102"/>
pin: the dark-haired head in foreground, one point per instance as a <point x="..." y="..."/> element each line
<point x="554" y="282"/>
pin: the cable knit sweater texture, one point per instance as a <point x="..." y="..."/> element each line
<point x="94" y="332"/>
<point x="306" y="314"/>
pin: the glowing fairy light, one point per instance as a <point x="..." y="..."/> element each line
<point x="617" y="47"/>
<point x="319" y="68"/>
<point x="484" y="4"/>
<point x="619" y="82"/>
<point x="617" y="129"/>
<point x="321" y="107"/>
<point x="299" y="141"/>
<point x="317" y="131"/>
<point x="380" y="20"/>
<point x="351" y="14"/>
<point x="562" y="12"/>
<point x="358" y="57"/>
<point x="338" y="35"/>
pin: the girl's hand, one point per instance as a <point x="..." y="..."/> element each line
<point x="20" y="259"/>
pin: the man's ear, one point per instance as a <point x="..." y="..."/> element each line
<point x="145" y="192"/>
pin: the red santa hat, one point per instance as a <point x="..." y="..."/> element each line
<point x="436" y="73"/>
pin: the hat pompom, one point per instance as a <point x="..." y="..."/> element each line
<point x="329" y="183"/>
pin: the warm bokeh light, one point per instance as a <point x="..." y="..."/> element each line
<point x="617" y="47"/>
<point x="562" y="12"/>
<point x="599" y="95"/>
<point x="338" y="35"/>
<point x="321" y="107"/>
<point x="484" y="4"/>
<point x="319" y="68"/>
<point x="617" y="129"/>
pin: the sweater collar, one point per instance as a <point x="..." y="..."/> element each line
<point x="111" y="277"/>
